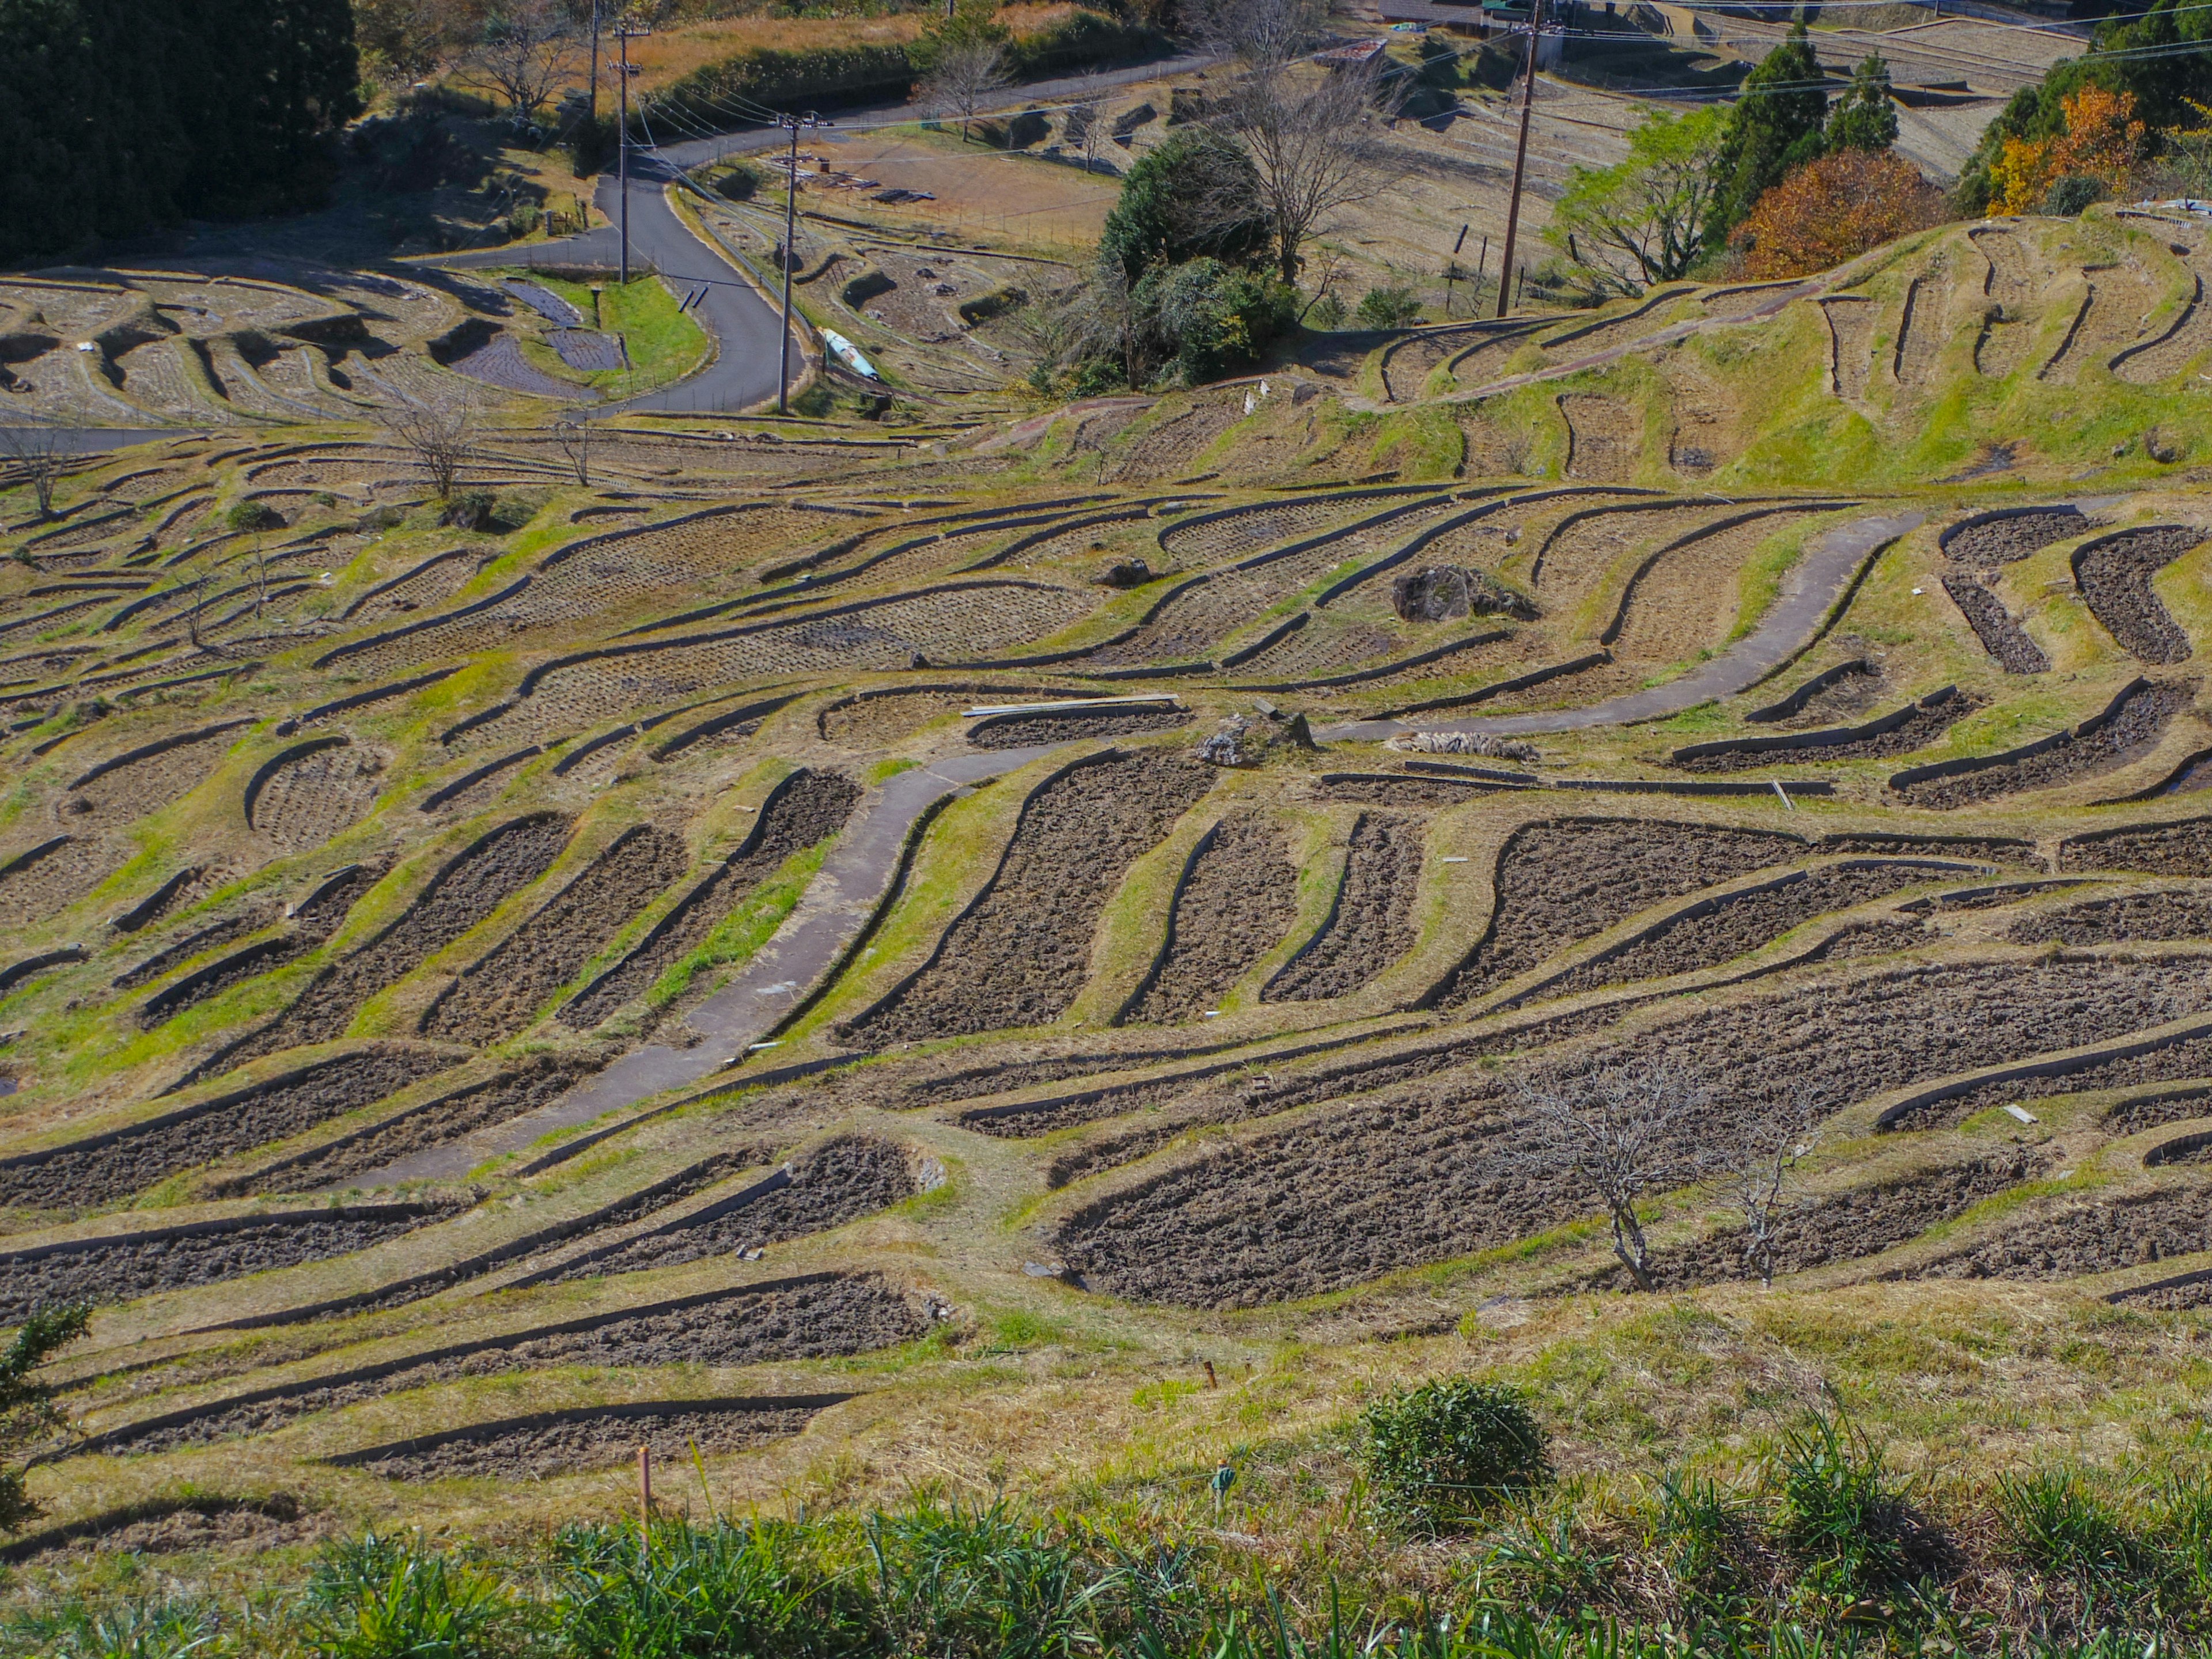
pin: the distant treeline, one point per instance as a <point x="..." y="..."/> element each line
<point x="118" y="116"/>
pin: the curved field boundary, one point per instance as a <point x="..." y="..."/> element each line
<point x="1512" y="330"/>
<point x="775" y="1181"/>
<point x="1381" y="671"/>
<point x="966" y="688"/>
<point x="2178" y="1149"/>
<point x="1268" y="642"/>
<point x="197" y="986"/>
<point x="151" y="907"/>
<point x="2171" y="784"/>
<point x="404" y="576"/>
<point x="1829" y="737"/>
<point x="411" y="1065"/>
<point x="1664" y="296"/>
<point x="1224" y="514"/>
<point x="1135" y="999"/>
<point x="1535" y="677"/>
<point x="2008" y="644"/>
<point x="892" y="998"/>
<point x="1714" y="902"/>
<point x="437" y="798"/>
<point x="32" y="856"/>
<point x="16" y="972"/>
<point x="1978" y="898"/>
<point x="2191" y="847"/>
<point x="2087" y="728"/>
<point x="375" y="694"/>
<point x="1659" y="502"/>
<point x="798" y="592"/>
<point x="1061" y="527"/>
<point x="2063" y="1065"/>
<point x="2113" y="574"/>
<point x="372" y="642"/>
<point x="712" y="726"/>
<point x="1795" y="701"/>
<point x="2050" y="509"/>
<point x="624" y="1412"/>
<point x="406" y="1209"/>
<point x="852" y="607"/>
<point x="2181" y="321"/>
<point x="1484" y="332"/>
<point x="278" y="761"/>
<point x="148" y="751"/>
<point x="1719" y="527"/>
<point x="122" y="1435"/>
<point x="1390" y="560"/>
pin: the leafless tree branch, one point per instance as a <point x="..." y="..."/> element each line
<point x="1754" y="1169"/>
<point x="442" y="437"/>
<point x="34" y="456"/>
<point x="967" y="73"/>
<point x="527" y="50"/>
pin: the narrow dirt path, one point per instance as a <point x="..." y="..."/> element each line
<point x="1809" y="592"/>
<point x="844" y="893"/>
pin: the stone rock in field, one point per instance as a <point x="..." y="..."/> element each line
<point x="1440" y="593"/>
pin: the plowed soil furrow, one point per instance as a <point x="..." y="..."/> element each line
<point x="1922" y="329"/>
<point x="510" y="1095"/>
<point x="840" y="1181"/>
<point x="1373" y="923"/>
<point x="130" y="1268"/>
<point x="1240" y="898"/>
<point x="1605" y="437"/>
<point x="460" y="895"/>
<point x="2189" y="338"/>
<point x="32" y="890"/>
<point x="2115" y="576"/>
<point x="1564" y="880"/>
<point x="498" y="995"/>
<point x="2003" y="541"/>
<point x="1998" y="630"/>
<point x="2182" y="848"/>
<point x="1174" y="447"/>
<point x="1021" y="730"/>
<point x="1687" y="602"/>
<point x="2132" y="733"/>
<point x="846" y="1315"/>
<point x="1828" y="1228"/>
<point x="2132" y="915"/>
<point x="430" y="583"/>
<point x="1238" y="535"/>
<point x="2172" y="1063"/>
<point x="1742" y="924"/>
<point x="132" y="790"/>
<point x="1921" y="728"/>
<point x="538" y="1452"/>
<point x="90" y="1173"/>
<point x="1577" y="555"/>
<point x="808" y="809"/>
<point x="310" y="800"/>
<point x="1423" y="1174"/>
<point x="1409" y="367"/>
<point x="2089" y="1238"/>
<point x="315" y="920"/>
<point x="1022" y="951"/>
<point x="1850" y="344"/>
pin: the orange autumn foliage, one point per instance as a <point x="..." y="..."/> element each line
<point x="1833" y="209"/>
<point x="2102" y="140"/>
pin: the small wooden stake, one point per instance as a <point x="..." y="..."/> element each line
<point x="1210" y="1381"/>
<point x="645" y="1488"/>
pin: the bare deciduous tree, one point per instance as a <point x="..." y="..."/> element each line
<point x="34" y="455"/>
<point x="1615" y="1136"/>
<point x="442" y="436"/>
<point x="527" y="50"/>
<point x="574" y="438"/>
<point x="1087" y="133"/>
<point x="1754" y="1169"/>
<point x="1263" y="35"/>
<point x="966" y="74"/>
<point x="1317" y="146"/>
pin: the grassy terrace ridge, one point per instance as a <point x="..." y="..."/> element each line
<point x="1093" y="1180"/>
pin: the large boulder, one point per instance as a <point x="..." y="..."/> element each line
<point x="1441" y="593"/>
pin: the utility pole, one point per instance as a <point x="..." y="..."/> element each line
<point x="790" y="124"/>
<point x="623" y="32"/>
<point x="595" y="71"/>
<point x="1519" y="159"/>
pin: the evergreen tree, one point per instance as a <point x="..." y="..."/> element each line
<point x="1863" y="117"/>
<point x="1777" y="125"/>
<point x="1193" y="194"/>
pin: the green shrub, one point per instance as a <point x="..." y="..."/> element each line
<point x="759" y="1588"/>
<point x="253" y="515"/>
<point x="468" y="509"/>
<point x="1847" y="1519"/>
<point x="1447" y="1449"/>
<point x="977" y="1584"/>
<point x="1163" y="215"/>
<point x="1389" y="308"/>
<point x="523" y="219"/>
<point x="1206" y="317"/>
<point x="740" y="184"/>
<point x="1328" y="312"/>
<point x="374" y="1597"/>
<point x="141" y="1628"/>
<point x="2066" y="197"/>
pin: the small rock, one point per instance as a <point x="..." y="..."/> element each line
<point x="1126" y="573"/>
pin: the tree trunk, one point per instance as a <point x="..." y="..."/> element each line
<point x="1628" y="1244"/>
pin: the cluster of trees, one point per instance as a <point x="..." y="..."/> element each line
<point x="1199" y="259"/>
<point x="1785" y="180"/>
<point x="122" y="115"/>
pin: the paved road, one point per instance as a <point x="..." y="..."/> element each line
<point x="842" y="896"/>
<point x="744" y="324"/>
<point x="1809" y="594"/>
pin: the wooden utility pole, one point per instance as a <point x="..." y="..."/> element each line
<point x="1519" y="159"/>
<point x="594" y="94"/>
<point x="623" y="31"/>
<point x="792" y="124"/>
